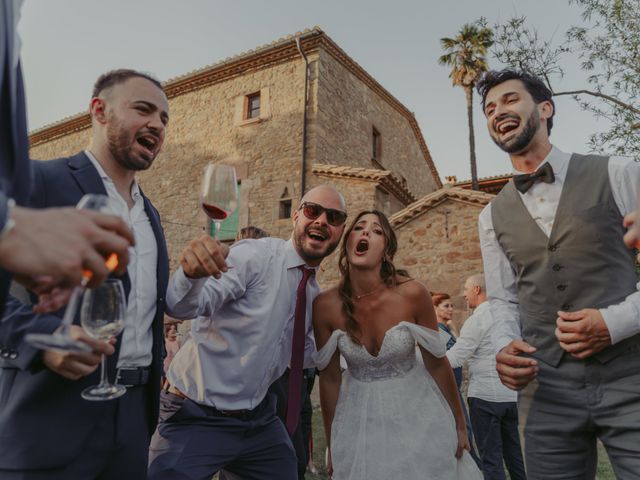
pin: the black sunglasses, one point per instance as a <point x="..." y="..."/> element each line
<point x="313" y="210"/>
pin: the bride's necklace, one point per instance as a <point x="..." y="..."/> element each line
<point x="371" y="292"/>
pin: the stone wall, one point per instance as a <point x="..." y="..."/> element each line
<point x="348" y="110"/>
<point x="441" y="248"/>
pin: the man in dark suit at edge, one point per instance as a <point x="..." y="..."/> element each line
<point x="47" y="431"/>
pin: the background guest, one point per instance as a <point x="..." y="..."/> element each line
<point x="492" y="406"/>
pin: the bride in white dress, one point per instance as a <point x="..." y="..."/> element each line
<point x="387" y="416"/>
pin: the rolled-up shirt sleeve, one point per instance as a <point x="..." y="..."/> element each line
<point x="467" y="343"/>
<point x="500" y="280"/>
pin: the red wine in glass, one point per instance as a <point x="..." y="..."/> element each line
<point x="219" y="193"/>
<point x="215" y="213"/>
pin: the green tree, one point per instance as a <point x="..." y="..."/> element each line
<point x="608" y="46"/>
<point x="466" y="55"/>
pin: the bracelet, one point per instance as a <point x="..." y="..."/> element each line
<point x="9" y="222"/>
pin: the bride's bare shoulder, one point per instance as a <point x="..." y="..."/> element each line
<point x="410" y="287"/>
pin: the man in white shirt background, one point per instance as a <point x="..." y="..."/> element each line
<point x="492" y="406"/>
<point x="562" y="288"/>
<point x="253" y="321"/>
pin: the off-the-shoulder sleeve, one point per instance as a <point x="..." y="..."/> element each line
<point x="431" y="340"/>
<point x="323" y="356"/>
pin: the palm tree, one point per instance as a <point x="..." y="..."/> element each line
<point x="466" y="55"/>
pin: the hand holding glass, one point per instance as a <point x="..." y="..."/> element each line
<point x="102" y="316"/>
<point x="61" y="340"/>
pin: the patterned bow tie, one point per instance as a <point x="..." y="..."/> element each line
<point x="525" y="181"/>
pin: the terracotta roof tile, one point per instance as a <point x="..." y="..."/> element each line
<point x="430" y="201"/>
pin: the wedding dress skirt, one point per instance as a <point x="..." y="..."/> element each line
<point x="391" y="420"/>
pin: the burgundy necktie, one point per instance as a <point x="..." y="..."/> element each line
<point x="297" y="353"/>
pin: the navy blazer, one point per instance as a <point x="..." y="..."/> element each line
<point x="14" y="144"/>
<point x="43" y="420"/>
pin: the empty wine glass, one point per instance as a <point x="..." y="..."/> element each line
<point x="102" y="316"/>
<point x="219" y="193"/>
<point x="61" y="339"/>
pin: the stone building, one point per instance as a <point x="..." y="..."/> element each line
<point x="249" y="111"/>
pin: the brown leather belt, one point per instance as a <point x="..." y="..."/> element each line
<point x="225" y="413"/>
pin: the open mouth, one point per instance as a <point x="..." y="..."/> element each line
<point x="148" y="142"/>
<point x="506" y="126"/>
<point x="362" y="246"/>
<point x="317" y="235"/>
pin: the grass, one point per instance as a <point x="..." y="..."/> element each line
<point x="604" y="471"/>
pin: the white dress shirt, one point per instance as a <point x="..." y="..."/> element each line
<point x="137" y="337"/>
<point x="241" y="341"/>
<point x="474" y="345"/>
<point x="541" y="200"/>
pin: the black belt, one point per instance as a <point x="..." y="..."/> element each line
<point x="239" y="414"/>
<point x="132" y="376"/>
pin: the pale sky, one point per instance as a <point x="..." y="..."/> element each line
<point x="67" y="44"/>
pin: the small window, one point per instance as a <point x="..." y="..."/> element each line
<point x="253" y="106"/>
<point x="285" y="209"/>
<point x="375" y="145"/>
<point x="285" y="204"/>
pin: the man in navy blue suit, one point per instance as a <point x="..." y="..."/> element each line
<point x="47" y="431"/>
<point x="58" y="243"/>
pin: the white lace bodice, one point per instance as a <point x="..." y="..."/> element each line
<point x="397" y="352"/>
<point x="391" y="420"/>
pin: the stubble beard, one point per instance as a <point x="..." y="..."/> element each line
<point x="519" y="143"/>
<point x="313" y="254"/>
<point x="121" y="148"/>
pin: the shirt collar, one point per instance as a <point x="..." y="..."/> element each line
<point x="135" y="189"/>
<point x="293" y="258"/>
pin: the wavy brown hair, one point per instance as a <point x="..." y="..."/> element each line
<point x="388" y="271"/>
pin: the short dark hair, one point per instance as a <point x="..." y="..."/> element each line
<point x="116" y="77"/>
<point x="536" y="87"/>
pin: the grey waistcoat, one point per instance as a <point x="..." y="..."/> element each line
<point x="583" y="263"/>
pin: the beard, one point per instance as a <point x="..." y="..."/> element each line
<point x="520" y="142"/>
<point x="121" y="147"/>
<point x="308" y="253"/>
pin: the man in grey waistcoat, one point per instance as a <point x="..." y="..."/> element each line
<point x="563" y="287"/>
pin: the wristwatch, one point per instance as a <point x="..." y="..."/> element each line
<point x="6" y="222"/>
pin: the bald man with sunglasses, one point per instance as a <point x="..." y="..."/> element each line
<point x="253" y="308"/>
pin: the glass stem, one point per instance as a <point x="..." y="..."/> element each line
<point x="103" y="372"/>
<point x="70" y="311"/>
<point x="217" y="237"/>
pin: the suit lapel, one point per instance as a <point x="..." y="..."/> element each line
<point x="85" y="174"/>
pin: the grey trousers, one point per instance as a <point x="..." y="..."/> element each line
<point x="568" y="408"/>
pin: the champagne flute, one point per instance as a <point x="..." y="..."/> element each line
<point x="102" y="316"/>
<point x="61" y="339"/>
<point x="219" y="193"/>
